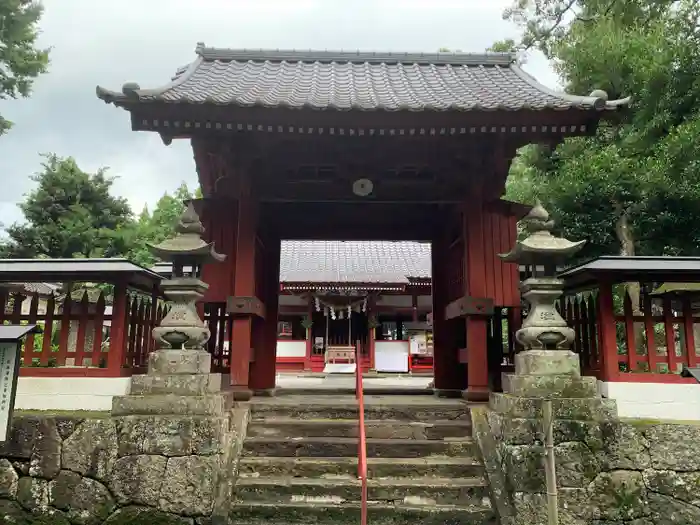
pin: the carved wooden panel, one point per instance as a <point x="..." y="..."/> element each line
<point x="241" y="305"/>
<point x="469" y="306"/>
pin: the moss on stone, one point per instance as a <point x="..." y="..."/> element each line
<point x="145" y="516"/>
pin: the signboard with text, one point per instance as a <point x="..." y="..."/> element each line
<point x="9" y="370"/>
<point x="11" y="339"/>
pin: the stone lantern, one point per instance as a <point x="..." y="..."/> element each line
<point x="179" y="378"/>
<point x="543" y="328"/>
<point x="182" y="327"/>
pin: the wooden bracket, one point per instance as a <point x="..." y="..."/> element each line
<point x="467" y="305"/>
<point x="242" y="305"/>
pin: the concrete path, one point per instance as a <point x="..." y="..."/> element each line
<point x="333" y="381"/>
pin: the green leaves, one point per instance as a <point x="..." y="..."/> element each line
<point x="72" y="213"/>
<point x="645" y="169"/>
<point x="20" y="61"/>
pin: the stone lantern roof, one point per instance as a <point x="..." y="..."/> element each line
<point x="540" y="246"/>
<point x="187" y="244"/>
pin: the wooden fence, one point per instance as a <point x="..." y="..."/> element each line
<point x="83" y="337"/>
<point x="617" y="342"/>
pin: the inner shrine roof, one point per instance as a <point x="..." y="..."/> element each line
<point x="396" y="262"/>
<point x="363" y="81"/>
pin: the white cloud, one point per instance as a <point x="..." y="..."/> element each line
<point x="109" y="43"/>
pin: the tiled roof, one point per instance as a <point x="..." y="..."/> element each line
<point x="354" y="261"/>
<point x="329" y="80"/>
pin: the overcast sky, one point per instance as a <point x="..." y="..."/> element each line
<point x="145" y="41"/>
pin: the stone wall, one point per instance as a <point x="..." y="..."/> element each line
<point x="608" y="473"/>
<point x="61" y="470"/>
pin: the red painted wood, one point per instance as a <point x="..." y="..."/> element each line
<point x="117" y="344"/>
<point x="652" y="356"/>
<point x="48" y="331"/>
<point x="74" y="372"/>
<point x="29" y="341"/>
<point x="476" y="279"/>
<point x="655" y="378"/>
<point x="670" y="334"/>
<point x="309" y="334"/>
<point x="243" y="285"/>
<point x="96" y="350"/>
<point x="689" y="333"/>
<point x="629" y="334"/>
<point x="448" y="372"/>
<point x="262" y="369"/>
<point x="64" y="330"/>
<point x="609" y="369"/>
<point x="83" y="320"/>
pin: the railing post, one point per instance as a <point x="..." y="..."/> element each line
<point x="118" y="336"/>
<point x="609" y="369"/>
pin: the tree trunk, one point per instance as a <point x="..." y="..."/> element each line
<point x="623" y="230"/>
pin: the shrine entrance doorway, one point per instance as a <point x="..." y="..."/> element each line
<point x="337" y="297"/>
<point x="359" y="146"/>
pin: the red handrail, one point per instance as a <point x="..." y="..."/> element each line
<point x="362" y="438"/>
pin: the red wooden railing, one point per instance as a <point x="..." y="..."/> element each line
<point x="362" y="437"/>
<point x="616" y="343"/>
<point x="79" y="336"/>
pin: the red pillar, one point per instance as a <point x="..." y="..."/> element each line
<point x="446" y="366"/>
<point x="119" y="327"/>
<point x="263" y="366"/>
<point x="243" y="286"/>
<point x="309" y="334"/>
<point x="609" y="368"/>
<point x="372" y="335"/>
<point x="475" y="281"/>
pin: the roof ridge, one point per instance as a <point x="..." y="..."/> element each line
<point x="488" y="58"/>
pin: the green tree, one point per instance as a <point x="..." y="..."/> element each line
<point x="20" y="60"/>
<point x="633" y="187"/>
<point x="71" y="213"/>
<point x="159" y="225"/>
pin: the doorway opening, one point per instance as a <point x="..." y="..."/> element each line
<point x="337" y="297"/>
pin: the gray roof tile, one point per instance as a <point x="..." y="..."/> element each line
<point x="354" y="261"/>
<point x="357" y="81"/>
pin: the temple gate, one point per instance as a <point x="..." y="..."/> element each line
<point x="359" y="146"/>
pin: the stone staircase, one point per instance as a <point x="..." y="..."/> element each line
<point x="299" y="463"/>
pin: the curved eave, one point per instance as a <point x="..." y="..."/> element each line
<point x="131" y="96"/>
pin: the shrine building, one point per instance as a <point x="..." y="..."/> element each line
<point x="357" y="146"/>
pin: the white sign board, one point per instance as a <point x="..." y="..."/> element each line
<point x="9" y="369"/>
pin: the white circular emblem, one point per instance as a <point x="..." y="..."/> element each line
<point x="362" y="187"/>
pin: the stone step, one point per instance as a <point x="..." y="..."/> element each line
<point x="285" y="427"/>
<point x="417" y="491"/>
<point x="314" y="467"/>
<point x="425" y="411"/>
<point x="347" y="447"/>
<point x="349" y="514"/>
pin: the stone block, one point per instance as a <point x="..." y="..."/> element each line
<point x="84" y="500"/>
<point x="188" y="485"/>
<point x="135" y="515"/>
<point x="33" y="494"/>
<point x="595" y="409"/>
<point x="624" y="447"/>
<point x="92" y="449"/>
<point x="547" y="362"/>
<point x="550" y="386"/>
<point x="618" y="496"/>
<point x="167" y="362"/>
<point x="674" y="446"/>
<point x="161" y="404"/>
<point x="36" y="439"/>
<point x="8" y="480"/>
<point x="178" y="384"/>
<point x="681" y="486"/>
<point x="138" y="479"/>
<point x="171" y="435"/>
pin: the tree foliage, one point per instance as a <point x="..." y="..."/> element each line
<point x="634" y="187"/>
<point x="20" y="60"/>
<point x="72" y="213"/>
